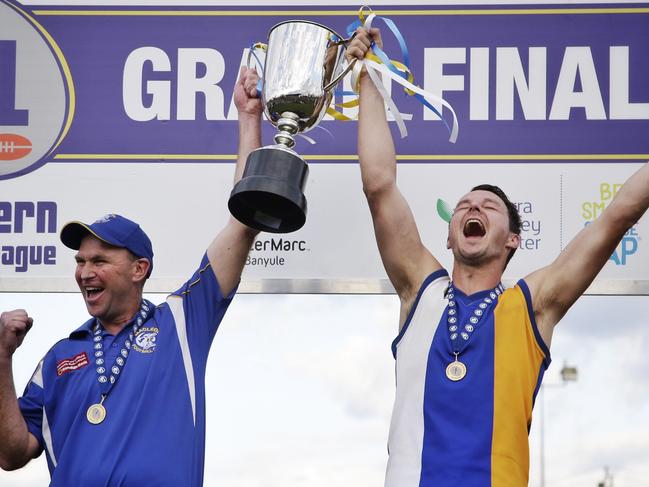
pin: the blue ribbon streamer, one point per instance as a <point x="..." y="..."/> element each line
<point x="378" y="52"/>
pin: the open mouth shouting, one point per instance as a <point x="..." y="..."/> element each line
<point x="93" y="293"/>
<point x="474" y="228"/>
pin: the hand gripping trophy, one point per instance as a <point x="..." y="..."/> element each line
<point x="303" y="64"/>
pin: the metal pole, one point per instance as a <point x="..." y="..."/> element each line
<point x="568" y="374"/>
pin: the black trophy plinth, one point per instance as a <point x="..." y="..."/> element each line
<point x="270" y="195"/>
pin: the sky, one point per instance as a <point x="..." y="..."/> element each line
<point x="300" y="390"/>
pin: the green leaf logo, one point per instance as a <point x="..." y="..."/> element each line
<point x="444" y="211"/>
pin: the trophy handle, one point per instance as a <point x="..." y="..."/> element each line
<point x="349" y="67"/>
<point x="251" y="52"/>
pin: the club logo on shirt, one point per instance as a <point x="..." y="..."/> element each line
<point x="70" y="364"/>
<point x="145" y="339"/>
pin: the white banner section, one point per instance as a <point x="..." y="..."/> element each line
<point x="183" y="206"/>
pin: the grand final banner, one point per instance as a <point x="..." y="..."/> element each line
<point x="129" y="110"/>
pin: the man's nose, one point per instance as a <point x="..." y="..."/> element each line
<point x="87" y="272"/>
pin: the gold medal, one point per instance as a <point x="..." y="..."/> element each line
<point x="96" y="413"/>
<point x="456" y="370"/>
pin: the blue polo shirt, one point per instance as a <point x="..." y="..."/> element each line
<point x="154" y="431"/>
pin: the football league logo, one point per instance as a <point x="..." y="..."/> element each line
<point x="36" y="94"/>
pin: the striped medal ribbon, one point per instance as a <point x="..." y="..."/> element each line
<point x="97" y="412"/>
<point x="456" y="370"/>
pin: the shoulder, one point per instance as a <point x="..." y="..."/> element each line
<point x="73" y="342"/>
<point x="517" y="303"/>
<point x="433" y="285"/>
<point x="431" y="289"/>
<point x="63" y="346"/>
<point x="203" y="279"/>
<point x="421" y="317"/>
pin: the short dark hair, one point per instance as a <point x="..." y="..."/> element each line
<point x="512" y="210"/>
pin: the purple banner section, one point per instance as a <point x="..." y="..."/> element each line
<point x="567" y="82"/>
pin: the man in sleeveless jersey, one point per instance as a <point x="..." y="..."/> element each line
<point x="121" y="400"/>
<point x="470" y="356"/>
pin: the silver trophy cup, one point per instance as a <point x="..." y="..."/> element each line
<point x="303" y="63"/>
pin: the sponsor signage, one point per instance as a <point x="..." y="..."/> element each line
<point x="128" y="109"/>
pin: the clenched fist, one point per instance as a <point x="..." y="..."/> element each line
<point x="362" y="41"/>
<point x="14" y="325"/>
<point x="245" y="92"/>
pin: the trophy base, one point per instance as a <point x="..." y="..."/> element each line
<point x="269" y="197"/>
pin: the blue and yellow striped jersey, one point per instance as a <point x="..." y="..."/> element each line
<point x="473" y="432"/>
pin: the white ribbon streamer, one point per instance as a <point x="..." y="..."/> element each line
<point x="378" y="82"/>
<point x="373" y="69"/>
<point x="407" y="84"/>
<point x="307" y="138"/>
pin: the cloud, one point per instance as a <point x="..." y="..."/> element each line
<point x="605" y="317"/>
<point x="355" y="364"/>
<point x="600" y="420"/>
<point x="34" y="473"/>
<point x="357" y="373"/>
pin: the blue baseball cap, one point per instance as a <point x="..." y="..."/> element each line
<point x="114" y="230"/>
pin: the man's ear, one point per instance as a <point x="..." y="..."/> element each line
<point x="513" y="241"/>
<point x="142" y="266"/>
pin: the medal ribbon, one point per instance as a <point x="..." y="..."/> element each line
<point x="460" y="336"/>
<point x="107" y="379"/>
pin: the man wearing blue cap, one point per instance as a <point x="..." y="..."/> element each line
<point x="121" y="401"/>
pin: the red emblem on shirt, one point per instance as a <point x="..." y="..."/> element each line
<point x="69" y="364"/>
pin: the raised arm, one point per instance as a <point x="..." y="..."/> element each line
<point x="406" y="260"/>
<point x="556" y="287"/>
<point x="228" y="252"/>
<point x="18" y="446"/>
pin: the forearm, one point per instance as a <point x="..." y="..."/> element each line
<point x="14" y="447"/>
<point x="227" y="254"/>
<point x="555" y="288"/>
<point x="228" y="251"/>
<point x="375" y="146"/>
<point x="632" y="201"/>
<point x="249" y="140"/>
